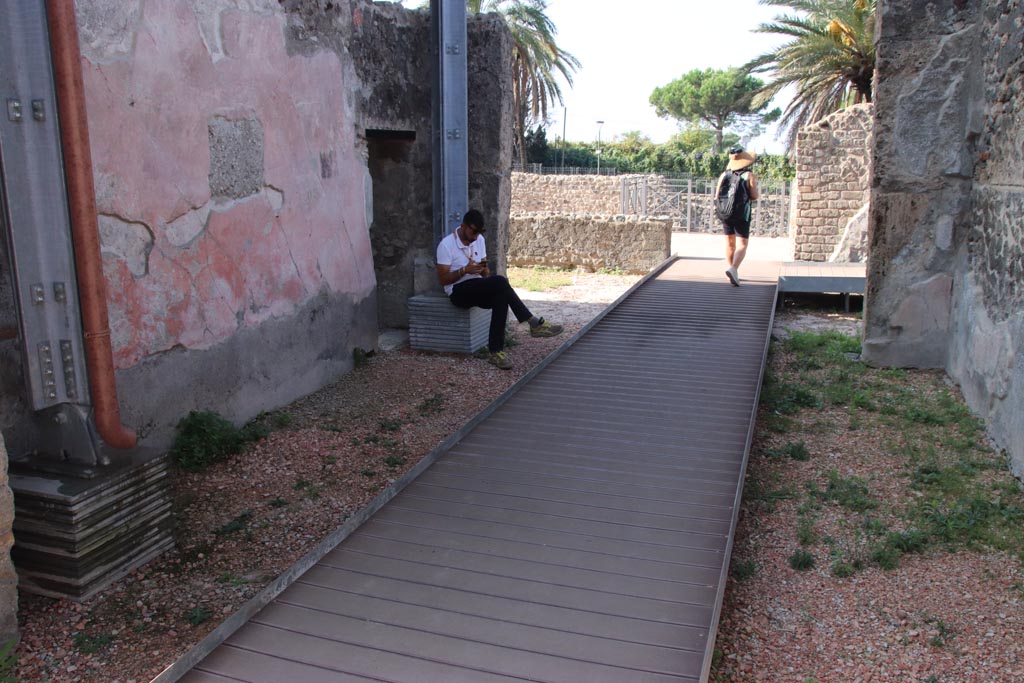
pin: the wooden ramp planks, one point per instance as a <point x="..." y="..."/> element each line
<point x="580" y="532"/>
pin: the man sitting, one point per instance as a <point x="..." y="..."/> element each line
<point x="463" y="272"/>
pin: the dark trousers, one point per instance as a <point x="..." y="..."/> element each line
<point x="495" y="293"/>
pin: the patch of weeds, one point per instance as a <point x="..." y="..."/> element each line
<point x="886" y="557"/>
<point x="743" y="571"/>
<point x="90" y="645"/>
<point x="806" y="534"/>
<point x="330" y="459"/>
<point x="793" y="450"/>
<point x="278" y="502"/>
<point x="394" y="461"/>
<point x="801" y="560"/>
<point x="768" y="497"/>
<point x="842" y="569"/>
<point x="942" y="632"/>
<point x="204" y="438"/>
<point x="372" y="438"/>
<point x="229" y="578"/>
<point x="389" y="424"/>
<point x="237" y="524"/>
<point x="874" y="526"/>
<point x="8" y="662"/>
<point x="432" y="404"/>
<point x="787" y="398"/>
<point x="909" y="541"/>
<point x="368" y="473"/>
<point x="848" y="492"/>
<point x="360" y="357"/>
<point x="779" y="424"/>
<point x="198" y="615"/>
<point x="539" y="279"/>
<point x="282" y="420"/>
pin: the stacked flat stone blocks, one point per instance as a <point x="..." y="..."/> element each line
<point x="833" y="180"/>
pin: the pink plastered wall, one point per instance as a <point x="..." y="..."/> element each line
<point x="185" y="269"/>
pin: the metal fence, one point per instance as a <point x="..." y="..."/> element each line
<point x="565" y="170"/>
<point x="690" y="203"/>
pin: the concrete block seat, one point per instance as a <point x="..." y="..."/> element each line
<point x="436" y="324"/>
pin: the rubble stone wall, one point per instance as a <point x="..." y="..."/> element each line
<point x="597" y="194"/>
<point x="833" y="184"/>
<point x="947" y="204"/>
<point x="634" y="244"/>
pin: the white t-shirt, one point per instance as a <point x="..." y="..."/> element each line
<point x="453" y="253"/>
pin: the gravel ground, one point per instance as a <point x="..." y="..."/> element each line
<point x="243" y="521"/>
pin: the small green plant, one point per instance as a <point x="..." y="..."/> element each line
<point x="743" y="571"/>
<point x="204" y="438"/>
<point x="389" y="425"/>
<point x="278" y="502"/>
<point x="843" y="570"/>
<point x="282" y="420"/>
<point x="368" y="473"/>
<point x="848" y="492"/>
<point x="90" y="645"/>
<point x="360" y="357"/>
<point x="886" y="557"/>
<point x="795" y="451"/>
<point x="394" y="461"/>
<point x="432" y="404"/>
<point x="198" y="615"/>
<point x="806" y="534"/>
<point x="801" y="560"/>
<point x="237" y="524"/>
<point x="8" y="662"/>
<point x="229" y="578"/>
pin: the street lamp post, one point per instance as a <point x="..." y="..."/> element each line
<point x="599" y="124"/>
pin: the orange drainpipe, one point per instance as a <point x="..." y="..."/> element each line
<point x="92" y="291"/>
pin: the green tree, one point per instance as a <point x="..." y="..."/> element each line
<point x="538" y="61"/>
<point x="716" y="98"/>
<point x="830" y="59"/>
<point x="536" y="145"/>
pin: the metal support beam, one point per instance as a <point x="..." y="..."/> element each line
<point x="450" y="115"/>
<point x="34" y="214"/>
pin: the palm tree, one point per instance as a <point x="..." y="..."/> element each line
<point x="830" y="59"/>
<point x="538" y="61"/>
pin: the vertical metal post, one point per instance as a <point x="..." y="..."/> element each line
<point x="689" y="204"/>
<point x="450" y="115"/>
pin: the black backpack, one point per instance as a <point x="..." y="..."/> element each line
<point x="733" y="198"/>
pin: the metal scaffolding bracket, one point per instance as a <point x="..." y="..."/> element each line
<point x="450" y="115"/>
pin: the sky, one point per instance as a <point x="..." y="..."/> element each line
<point x="628" y="49"/>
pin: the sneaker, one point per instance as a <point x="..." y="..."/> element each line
<point x="545" y="329"/>
<point x="734" y="278"/>
<point x="500" y="360"/>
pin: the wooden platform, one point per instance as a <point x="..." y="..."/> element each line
<point x="580" y="531"/>
<point x="840" y="278"/>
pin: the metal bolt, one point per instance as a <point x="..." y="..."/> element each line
<point x="38" y="110"/>
<point x="14" y="110"/>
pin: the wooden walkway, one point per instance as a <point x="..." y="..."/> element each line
<point x="580" y="532"/>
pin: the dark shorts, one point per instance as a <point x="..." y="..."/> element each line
<point x="742" y="229"/>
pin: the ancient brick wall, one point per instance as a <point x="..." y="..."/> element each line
<point x="946" y="224"/>
<point x="634" y="244"/>
<point x="833" y="183"/>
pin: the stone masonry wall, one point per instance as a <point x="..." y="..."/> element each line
<point x="594" y="194"/>
<point x="948" y="203"/>
<point x="633" y="244"/>
<point x="833" y="182"/>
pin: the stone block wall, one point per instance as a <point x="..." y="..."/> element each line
<point x="596" y="194"/>
<point x="634" y="244"/>
<point x="946" y="225"/>
<point x="833" y="184"/>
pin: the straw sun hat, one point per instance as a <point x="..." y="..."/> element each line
<point x="739" y="159"/>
